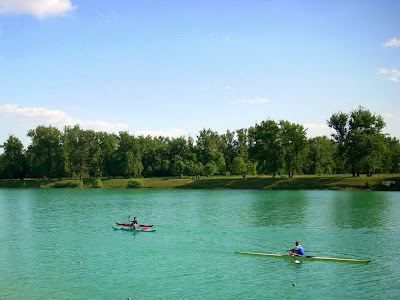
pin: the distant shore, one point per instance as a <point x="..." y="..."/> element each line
<point x="300" y="182"/>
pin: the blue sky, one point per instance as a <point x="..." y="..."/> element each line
<point x="175" y="67"/>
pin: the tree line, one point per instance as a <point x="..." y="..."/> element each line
<point x="357" y="146"/>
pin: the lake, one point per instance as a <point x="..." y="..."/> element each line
<point x="60" y="244"/>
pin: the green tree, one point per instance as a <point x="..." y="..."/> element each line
<point x="251" y="168"/>
<point x="107" y="144"/>
<point x="163" y="156"/>
<point x="320" y="158"/>
<point x="94" y="160"/>
<point x="242" y="144"/>
<point x="360" y="139"/>
<point x="219" y="161"/>
<point x="158" y="160"/>
<point x="210" y="169"/>
<point x="148" y="148"/>
<point x="178" y="168"/>
<point x="3" y="173"/>
<point x="239" y="166"/>
<point x="391" y="158"/>
<point x="230" y="151"/>
<point x="374" y="149"/>
<point x="266" y="147"/>
<point x="210" y="148"/>
<point x="339" y="123"/>
<point x="194" y="168"/>
<point x="294" y="143"/>
<point x="129" y="155"/>
<point x="77" y="146"/>
<point x="14" y="161"/>
<point x="46" y="152"/>
<point x="178" y="149"/>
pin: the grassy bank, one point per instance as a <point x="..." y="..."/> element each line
<point x="301" y="182"/>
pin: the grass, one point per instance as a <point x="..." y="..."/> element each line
<point x="300" y="182"/>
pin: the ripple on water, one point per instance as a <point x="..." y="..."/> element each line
<point x="60" y="244"/>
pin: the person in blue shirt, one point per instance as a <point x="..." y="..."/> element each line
<point x="298" y="250"/>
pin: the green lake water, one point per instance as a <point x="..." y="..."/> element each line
<point x="60" y="244"/>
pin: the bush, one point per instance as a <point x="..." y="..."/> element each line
<point x="97" y="184"/>
<point x="367" y="186"/>
<point x="135" y="184"/>
<point x="59" y="185"/>
<point x="78" y="184"/>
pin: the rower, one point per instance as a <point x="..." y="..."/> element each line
<point x="135" y="223"/>
<point x="298" y="250"/>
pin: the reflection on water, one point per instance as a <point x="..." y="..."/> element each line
<point x="279" y="208"/>
<point x="363" y="209"/>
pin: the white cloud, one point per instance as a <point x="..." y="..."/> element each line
<point x="26" y="118"/>
<point x="252" y="101"/>
<point x="172" y="133"/>
<point x="392" y="74"/>
<point x="389" y="115"/>
<point x="316" y="127"/>
<point x="38" y="8"/>
<point x="383" y="70"/>
<point x="30" y="117"/>
<point x="102" y="126"/>
<point x="392" y="43"/>
<point x="314" y="130"/>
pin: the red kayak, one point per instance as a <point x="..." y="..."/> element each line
<point x="129" y="224"/>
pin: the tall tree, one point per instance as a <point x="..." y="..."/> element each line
<point x="162" y="158"/>
<point x="148" y="148"/>
<point x="95" y="159"/>
<point x="339" y="123"/>
<point x="129" y="155"/>
<point x="210" y="148"/>
<point x="77" y="145"/>
<point x="46" y="152"/>
<point x="178" y="168"/>
<point x="194" y="168"/>
<point x="294" y="143"/>
<point x="266" y="147"/>
<point x="242" y="144"/>
<point x="365" y="129"/>
<point x="230" y="151"/>
<point x="210" y="169"/>
<point x="108" y="146"/>
<point x="360" y="139"/>
<point x="14" y="161"/>
<point x="3" y="173"/>
<point x="393" y="155"/>
<point x="239" y="166"/>
<point x="320" y="156"/>
<point x="178" y="149"/>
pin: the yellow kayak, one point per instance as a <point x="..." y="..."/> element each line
<point x="299" y="257"/>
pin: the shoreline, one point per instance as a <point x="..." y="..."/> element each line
<point x="300" y="182"/>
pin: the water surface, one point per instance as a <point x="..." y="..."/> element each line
<point x="59" y="244"/>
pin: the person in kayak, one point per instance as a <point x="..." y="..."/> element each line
<point x="135" y="223"/>
<point x="298" y="250"/>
